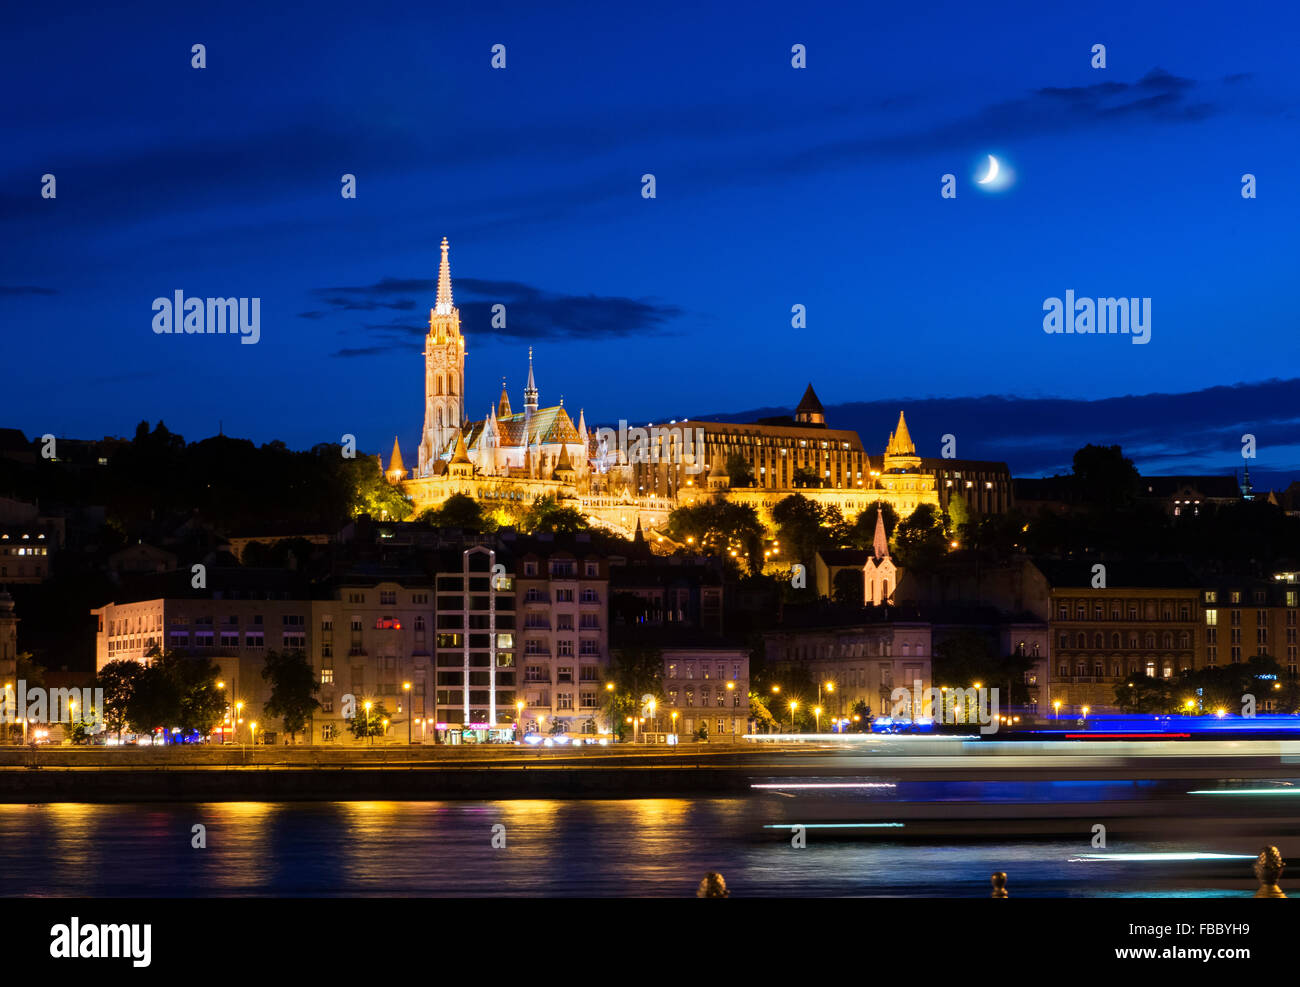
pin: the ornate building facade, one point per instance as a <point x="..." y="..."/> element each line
<point x="504" y="456"/>
<point x="521" y="456"/>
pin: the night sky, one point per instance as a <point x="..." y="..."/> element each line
<point x="776" y="186"/>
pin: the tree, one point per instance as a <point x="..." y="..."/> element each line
<point x="369" y="722"/>
<point x="862" y="533"/>
<point x="959" y="518"/>
<point x="1287" y="699"/>
<point x="119" y="680"/>
<point x="1104" y="477"/>
<point x="967" y="657"/>
<point x="374" y="495"/>
<point x="801" y="476"/>
<point x="719" y="527"/>
<point x="919" y="540"/>
<point x="738" y="470"/>
<point x="1141" y="693"/>
<point x="175" y="691"/>
<point x="458" y="511"/>
<point x="637" y="671"/>
<point x="860" y="713"/>
<point x="546" y="516"/>
<point x="293" y="684"/>
<point x="849" y="588"/>
<point x="759" y="712"/>
<point x="800" y="527"/>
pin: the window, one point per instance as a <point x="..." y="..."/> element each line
<point x="326" y="676"/>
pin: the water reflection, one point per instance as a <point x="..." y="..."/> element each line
<point x="551" y="848"/>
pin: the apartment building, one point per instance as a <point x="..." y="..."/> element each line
<point x="866" y="656"/>
<point x="1245" y="618"/>
<point x="562" y="599"/>
<point x="706" y="692"/>
<point x="1145" y="619"/>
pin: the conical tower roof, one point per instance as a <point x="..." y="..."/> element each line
<point x="461" y="455"/>
<point x="900" y="441"/>
<point x="880" y="543"/>
<point x="503" y="406"/>
<point x="395" y="462"/>
<point x="809" y="403"/>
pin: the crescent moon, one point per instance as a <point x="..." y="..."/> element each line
<point x="993" y="171"/>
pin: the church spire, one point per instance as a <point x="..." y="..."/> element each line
<point x="443" y="306"/>
<point x="880" y="544"/>
<point x="530" y="389"/>
<point x="503" y="406"/>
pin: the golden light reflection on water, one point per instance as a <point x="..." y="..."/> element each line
<point x="234" y="860"/>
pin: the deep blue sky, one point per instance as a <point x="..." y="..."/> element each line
<point x="776" y="186"/>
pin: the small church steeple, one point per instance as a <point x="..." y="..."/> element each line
<point x="530" y="389"/>
<point x="503" y="406"/>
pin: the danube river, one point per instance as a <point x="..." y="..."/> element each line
<point x="565" y="848"/>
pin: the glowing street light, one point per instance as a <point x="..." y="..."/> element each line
<point x="794" y="705"/>
<point x="406" y="687"/>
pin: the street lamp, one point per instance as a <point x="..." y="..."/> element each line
<point x="253" y="728"/>
<point x="1057" y="706"/>
<point x="519" y="722"/>
<point x="406" y="687"/>
<point x="674" y="715"/>
<point x="793" y="706"/>
<point x="221" y="687"/>
<point x="370" y="740"/>
<point x="1085" y="711"/>
<point x="817" y="714"/>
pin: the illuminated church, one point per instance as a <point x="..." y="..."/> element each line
<point x="515" y="455"/>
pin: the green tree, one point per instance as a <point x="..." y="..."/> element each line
<point x="637" y="671"/>
<point x="801" y="476"/>
<point x="1141" y="693"/>
<point x="546" y="516"/>
<point x="372" y="493"/>
<point x="860" y="716"/>
<point x="119" y="680"/>
<point x="959" y="519"/>
<point x="369" y="722"/>
<point x="719" y="527"/>
<point x="293" y="688"/>
<point x="759" y="712"/>
<point x="801" y="528"/>
<point x="919" y="540"/>
<point x="862" y="533"/>
<point x="738" y="470"/>
<point x="175" y="691"/>
<point x="458" y="511"/>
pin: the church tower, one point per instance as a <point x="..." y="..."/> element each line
<point x="444" y="374"/>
